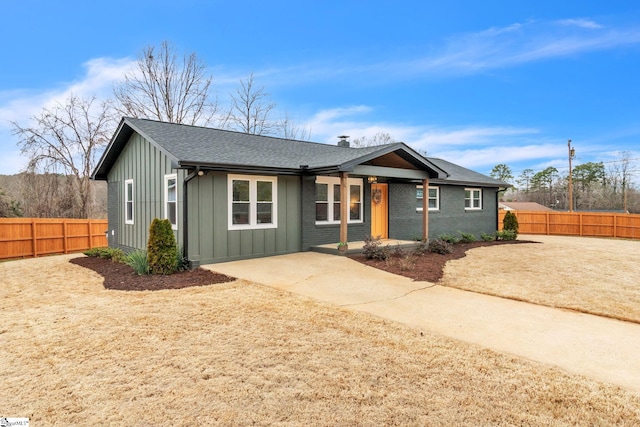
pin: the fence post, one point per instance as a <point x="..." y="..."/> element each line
<point x="615" y="225"/>
<point x="547" y="224"/>
<point x="64" y="236"/>
<point x="90" y="235"/>
<point x="34" y="238"/>
<point x="580" y="221"/>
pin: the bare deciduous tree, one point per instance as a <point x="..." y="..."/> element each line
<point x="9" y="208"/>
<point x="379" y="138"/>
<point x="166" y="89"/>
<point x="67" y="139"/>
<point x="251" y="109"/>
<point x="289" y="129"/>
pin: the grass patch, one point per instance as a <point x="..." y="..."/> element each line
<point x="241" y="354"/>
<point x="596" y="276"/>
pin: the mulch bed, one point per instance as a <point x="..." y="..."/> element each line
<point x="429" y="266"/>
<point x="426" y="267"/>
<point x="118" y="276"/>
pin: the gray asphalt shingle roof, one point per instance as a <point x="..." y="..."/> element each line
<point x="193" y="145"/>
<point x="458" y="174"/>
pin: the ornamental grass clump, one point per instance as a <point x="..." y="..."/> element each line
<point x="161" y="248"/>
<point x="138" y="261"/>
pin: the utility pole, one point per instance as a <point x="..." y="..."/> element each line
<point x="572" y="153"/>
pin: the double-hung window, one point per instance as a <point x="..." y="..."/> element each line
<point x="472" y="198"/>
<point x="252" y="202"/>
<point x="128" y="201"/>
<point x="328" y="200"/>
<point x="171" y="199"/>
<point x="433" y="195"/>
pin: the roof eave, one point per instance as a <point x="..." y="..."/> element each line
<point x="238" y="168"/>
<point x="471" y="183"/>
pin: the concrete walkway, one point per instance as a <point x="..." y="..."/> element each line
<point x="597" y="347"/>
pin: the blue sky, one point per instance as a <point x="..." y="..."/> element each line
<point x="476" y="83"/>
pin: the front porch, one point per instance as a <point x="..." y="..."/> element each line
<point x="356" y="247"/>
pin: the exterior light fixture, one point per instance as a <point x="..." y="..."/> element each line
<point x="372" y="179"/>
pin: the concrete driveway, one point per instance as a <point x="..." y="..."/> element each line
<point x="597" y="347"/>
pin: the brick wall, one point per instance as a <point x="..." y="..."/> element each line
<point x="313" y="234"/>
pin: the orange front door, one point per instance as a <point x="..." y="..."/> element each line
<point x="379" y="211"/>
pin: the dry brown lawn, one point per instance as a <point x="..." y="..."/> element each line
<point x="597" y="276"/>
<point x="238" y="353"/>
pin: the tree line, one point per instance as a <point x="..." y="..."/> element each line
<point x="64" y="142"/>
<point x="595" y="186"/>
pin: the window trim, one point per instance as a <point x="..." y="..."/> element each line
<point x="437" y="198"/>
<point x="253" y="202"/>
<point x="127" y="220"/>
<point x="479" y="198"/>
<point x="331" y="181"/>
<point x="166" y="198"/>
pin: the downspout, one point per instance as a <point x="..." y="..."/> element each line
<point x="185" y="211"/>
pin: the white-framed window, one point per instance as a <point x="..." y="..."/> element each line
<point x="434" y="198"/>
<point x="128" y="201"/>
<point x="328" y="200"/>
<point x="253" y="202"/>
<point x="171" y="199"/>
<point x="472" y="198"/>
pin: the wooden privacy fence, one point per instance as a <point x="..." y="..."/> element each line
<point x="590" y="224"/>
<point x="30" y="237"/>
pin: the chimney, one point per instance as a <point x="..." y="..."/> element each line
<point x="344" y="141"/>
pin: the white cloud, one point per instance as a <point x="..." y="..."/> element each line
<point x="436" y="137"/>
<point x="581" y="22"/>
<point x="520" y="43"/>
<point x="98" y="79"/>
<point x="20" y="105"/>
<point x="470" y="146"/>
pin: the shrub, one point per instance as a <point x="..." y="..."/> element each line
<point x="510" y="222"/>
<point x="449" y="238"/>
<point x="506" y="235"/>
<point x="399" y="251"/>
<point x="373" y="250"/>
<point x="114" y="254"/>
<point x="467" y="237"/>
<point x="138" y="261"/>
<point x="161" y="247"/>
<point x="440" y="246"/>
<point x="487" y="237"/>
<point x="421" y="248"/>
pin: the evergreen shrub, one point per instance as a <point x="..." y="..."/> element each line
<point x="161" y="248"/>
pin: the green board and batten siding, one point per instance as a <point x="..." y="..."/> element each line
<point x="211" y="241"/>
<point x="209" y="238"/>
<point x="146" y="165"/>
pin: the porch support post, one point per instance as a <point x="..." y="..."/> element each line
<point x="344" y="206"/>
<point x="425" y="209"/>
